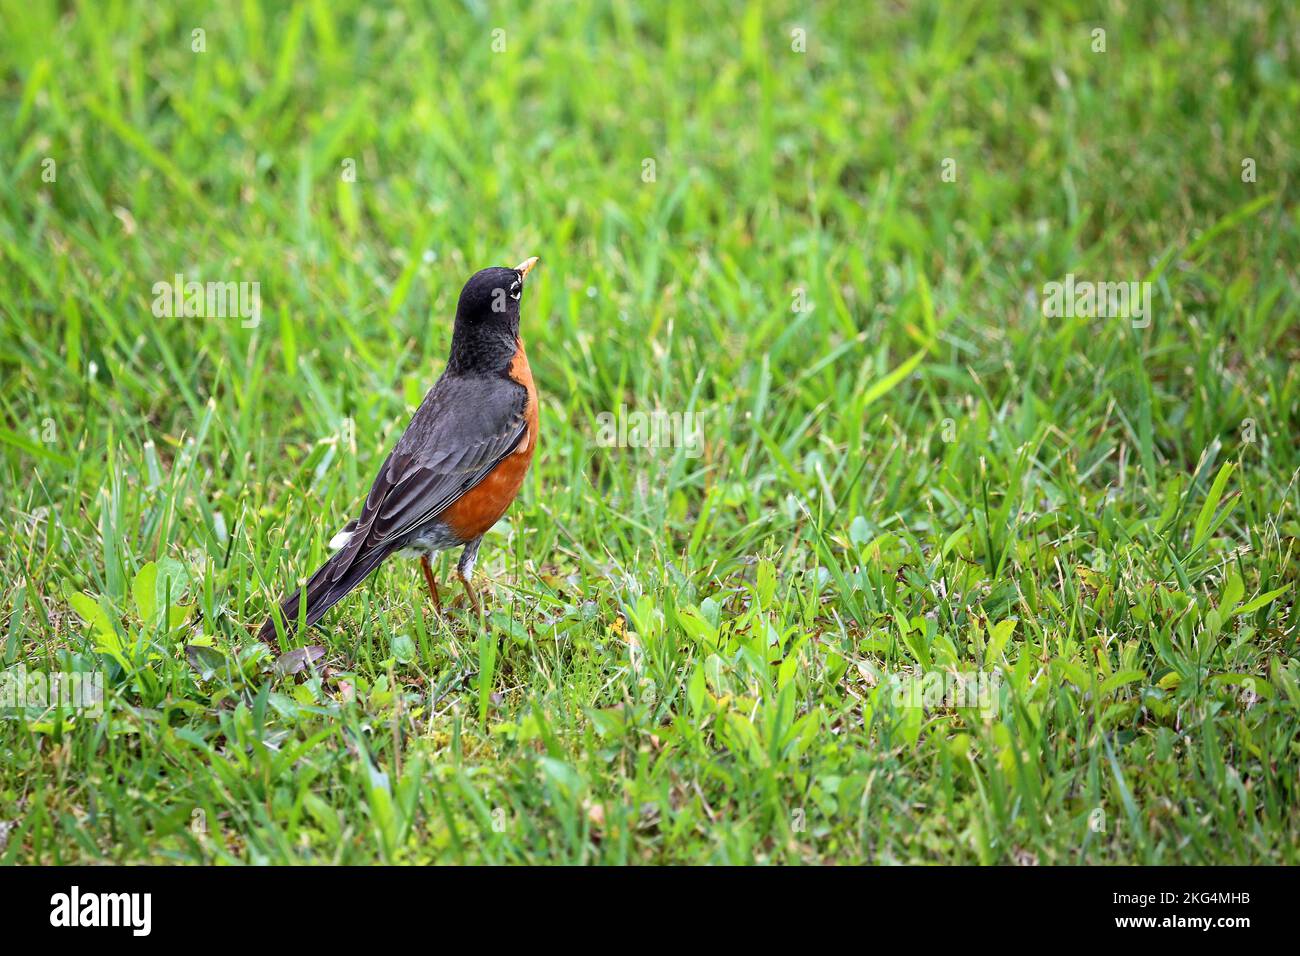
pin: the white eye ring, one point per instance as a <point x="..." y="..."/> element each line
<point x="516" y="290"/>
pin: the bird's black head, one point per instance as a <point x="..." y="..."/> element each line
<point x="487" y="318"/>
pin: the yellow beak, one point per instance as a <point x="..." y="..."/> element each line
<point x="527" y="266"/>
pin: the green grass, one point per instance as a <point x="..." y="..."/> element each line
<point x="686" y="659"/>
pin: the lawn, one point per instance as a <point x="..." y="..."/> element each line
<point x="852" y="536"/>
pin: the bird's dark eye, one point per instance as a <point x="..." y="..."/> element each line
<point x="516" y="288"/>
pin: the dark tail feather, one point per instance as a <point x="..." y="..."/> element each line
<point x="322" y="592"/>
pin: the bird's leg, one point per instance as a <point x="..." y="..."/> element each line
<point x="473" y="595"/>
<point x="428" y="579"/>
<point x="465" y="571"/>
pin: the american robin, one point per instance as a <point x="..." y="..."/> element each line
<point x="458" y="465"/>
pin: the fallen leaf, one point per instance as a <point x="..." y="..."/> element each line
<point x="205" y="660"/>
<point x="291" y="662"/>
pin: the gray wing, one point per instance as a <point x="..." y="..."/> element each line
<point x="461" y="431"/>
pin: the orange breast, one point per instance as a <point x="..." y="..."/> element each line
<point x="482" y="506"/>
